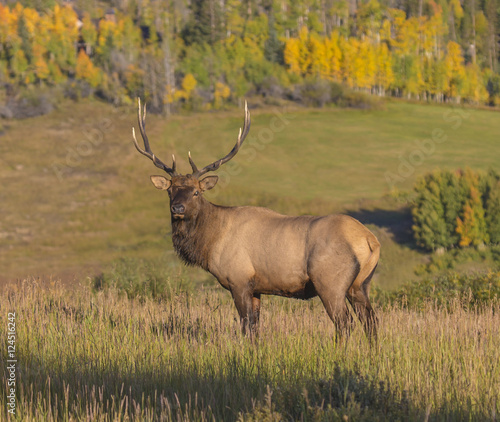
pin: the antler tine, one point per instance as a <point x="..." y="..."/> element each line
<point x="216" y="164"/>
<point x="193" y="165"/>
<point x="141" y="117"/>
<point x="174" y="164"/>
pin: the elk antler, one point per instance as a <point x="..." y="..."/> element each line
<point x="141" y="116"/>
<point x="216" y="164"/>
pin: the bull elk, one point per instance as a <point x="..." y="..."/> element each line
<point x="254" y="251"/>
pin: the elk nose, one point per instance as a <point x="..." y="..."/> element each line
<point x="178" y="209"/>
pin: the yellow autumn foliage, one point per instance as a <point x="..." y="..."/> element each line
<point x="86" y="71"/>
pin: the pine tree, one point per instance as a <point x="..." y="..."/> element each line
<point x="453" y="196"/>
<point x="273" y="49"/>
<point x="205" y="24"/>
<point x="491" y="199"/>
<point x="471" y="225"/>
<point x="429" y="224"/>
<point x="493" y="214"/>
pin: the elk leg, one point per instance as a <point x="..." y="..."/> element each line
<point x="331" y="285"/>
<point x="338" y="312"/>
<point x="358" y="296"/>
<point x="244" y="301"/>
<point x="256" y="307"/>
<point x="364" y="311"/>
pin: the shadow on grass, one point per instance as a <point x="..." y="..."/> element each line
<point x="398" y="222"/>
<point x="204" y="394"/>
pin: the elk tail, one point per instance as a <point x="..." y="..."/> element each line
<point x="367" y="270"/>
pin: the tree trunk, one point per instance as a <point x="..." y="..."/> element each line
<point x="473" y="7"/>
<point x="169" y="74"/>
<point x="451" y="21"/>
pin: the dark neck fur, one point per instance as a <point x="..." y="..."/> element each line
<point x="193" y="239"/>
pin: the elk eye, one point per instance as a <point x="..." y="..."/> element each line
<point x="196" y="193"/>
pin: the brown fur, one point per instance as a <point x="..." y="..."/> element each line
<point x="254" y="251"/>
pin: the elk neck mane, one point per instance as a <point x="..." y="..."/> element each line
<point x="193" y="239"/>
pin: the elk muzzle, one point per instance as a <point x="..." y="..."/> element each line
<point x="178" y="209"/>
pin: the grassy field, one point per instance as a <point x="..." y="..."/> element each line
<point x="76" y="195"/>
<point x="76" y="200"/>
<point x="102" y="357"/>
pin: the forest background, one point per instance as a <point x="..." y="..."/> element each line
<point x="205" y="54"/>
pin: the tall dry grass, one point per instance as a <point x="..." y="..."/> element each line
<point x="102" y="357"/>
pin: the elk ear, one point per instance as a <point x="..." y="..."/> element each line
<point x="208" y="182"/>
<point x="161" y="182"/>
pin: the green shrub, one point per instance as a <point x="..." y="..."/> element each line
<point x="459" y="208"/>
<point x="139" y="278"/>
<point x="430" y="227"/>
<point x="313" y="93"/>
<point x="471" y="225"/>
<point x="360" y="100"/>
<point x="492" y="206"/>
<point x="449" y="260"/>
<point x="318" y="93"/>
<point x="30" y="103"/>
<point x="444" y="291"/>
<point x="453" y="194"/>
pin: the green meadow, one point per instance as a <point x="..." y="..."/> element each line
<point x="76" y="195"/>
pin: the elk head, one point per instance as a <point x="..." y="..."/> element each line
<point x="185" y="190"/>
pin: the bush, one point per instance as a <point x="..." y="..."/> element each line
<point x="318" y="93"/>
<point x="456" y="209"/>
<point x="429" y="222"/>
<point x="29" y="104"/>
<point x="471" y="225"/>
<point x="77" y="89"/>
<point x="270" y="87"/>
<point x="449" y="260"/>
<point x="444" y="291"/>
<point x="359" y="100"/>
<point x="313" y="93"/>
<point x="493" y="88"/>
<point x="338" y="92"/>
<point x="492" y="206"/>
<point x="140" y="279"/>
<point x="5" y="112"/>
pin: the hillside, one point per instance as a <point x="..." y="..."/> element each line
<point x="76" y="194"/>
<point x="203" y="54"/>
